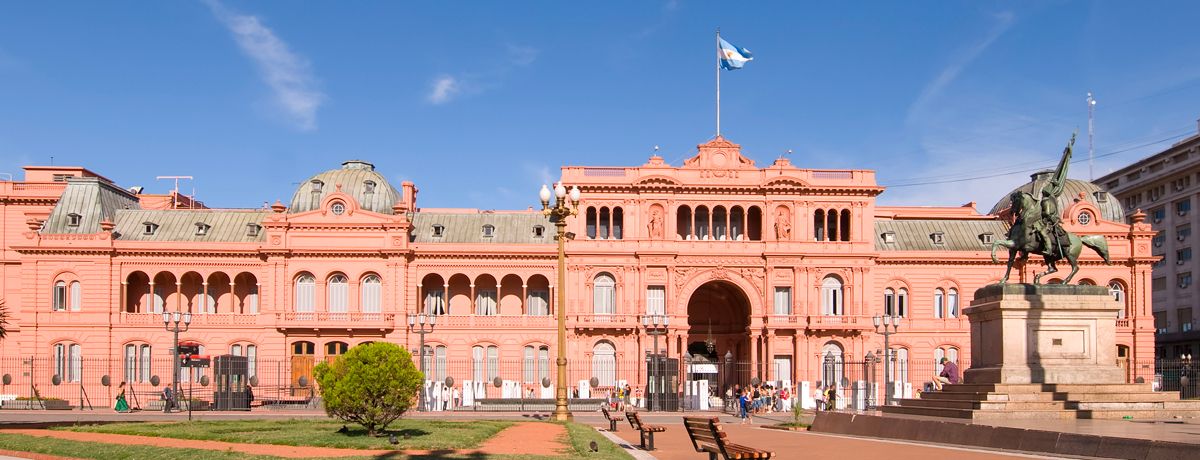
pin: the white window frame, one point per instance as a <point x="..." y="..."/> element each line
<point x="485" y="302"/>
<point x="832" y="296"/>
<point x="783" y="300"/>
<point x="656" y="300"/>
<point x="604" y="294"/>
<point x="537" y="303"/>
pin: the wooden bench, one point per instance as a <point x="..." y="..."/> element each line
<point x="612" y="420"/>
<point x="647" y="431"/>
<point x="706" y="436"/>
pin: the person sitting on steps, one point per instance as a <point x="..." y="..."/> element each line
<point x="949" y="374"/>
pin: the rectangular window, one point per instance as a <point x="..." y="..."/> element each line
<point x="131" y="363"/>
<point x="251" y="360"/>
<point x="1182" y="207"/>
<point x="485" y="302"/>
<point x="1158" y="215"/>
<point x="76" y="293"/>
<point x="1183" y="256"/>
<point x="656" y="300"/>
<point x="144" y="365"/>
<point x="1184" y="279"/>
<point x="1185" y="319"/>
<point x="1160" y="322"/>
<point x="538" y="303"/>
<point x="783" y="300"/>
<point x="1183" y="232"/>
<point x="889" y="302"/>
<point x="1158" y="284"/>
<point x="493" y="355"/>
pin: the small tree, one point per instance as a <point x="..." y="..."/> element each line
<point x="371" y="385"/>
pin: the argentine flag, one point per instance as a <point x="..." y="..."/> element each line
<point x="732" y="57"/>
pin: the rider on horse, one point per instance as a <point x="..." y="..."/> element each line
<point x="1049" y="228"/>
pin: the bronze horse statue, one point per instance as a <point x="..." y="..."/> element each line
<point x="1022" y="239"/>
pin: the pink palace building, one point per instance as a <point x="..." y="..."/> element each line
<point x="778" y="268"/>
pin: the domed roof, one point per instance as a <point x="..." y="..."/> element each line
<point x="357" y="179"/>
<point x="1110" y="208"/>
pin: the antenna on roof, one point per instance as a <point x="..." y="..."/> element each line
<point x="175" y="192"/>
<point x="1091" y="101"/>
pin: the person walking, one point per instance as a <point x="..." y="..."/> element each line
<point x="831" y="398"/>
<point x="122" y="406"/>
<point x="744" y="403"/>
<point x="168" y="397"/>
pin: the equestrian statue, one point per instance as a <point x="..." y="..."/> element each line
<point x="1037" y="228"/>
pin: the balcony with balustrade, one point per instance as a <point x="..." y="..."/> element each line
<point x="199" y="320"/>
<point x="857" y="323"/>
<point x="334" y="321"/>
<point x="492" y="322"/>
<point x="601" y="321"/>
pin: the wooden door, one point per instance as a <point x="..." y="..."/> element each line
<point x="303" y="359"/>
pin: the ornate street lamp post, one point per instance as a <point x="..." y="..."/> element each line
<point x="564" y="206"/>
<point x="890" y="325"/>
<point x="656" y="325"/>
<point x="416" y="323"/>
<point x="171" y="322"/>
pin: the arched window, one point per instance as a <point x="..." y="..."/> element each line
<point x="435" y="363"/>
<point x="939" y="303"/>
<point x="529" y="364"/>
<point x="591" y="223"/>
<point x="372" y="295"/>
<point x="131" y="363"/>
<point x="683" y="222"/>
<point x="902" y="302"/>
<point x="845" y="234"/>
<point x="889" y="302"/>
<point x="618" y="223"/>
<point x="737" y="226"/>
<point x="831" y="225"/>
<point x="1118" y="294"/>
<point x="604" y="295"/>
<point x="306" y="293"/>
<point x="952" y="303"/>
<point x="701" y="224"/>
<point x="60" y="296"/>
<point x="604" y="224"/>
<point x="831" y="296"/>
<point x="720" y="226"/>
<point x="831" y="363"/>
<point x="68" y="362"/>
<point x="335" y="349"/>
<point x="819" y="225"/>
<point x="754" y="222"/>
<point x="251" y="360"/>
<point x="339" y="294"/>
<point x="604" y="363"/>
<point x="485" y="363"/>
<point x="76" y="296"/>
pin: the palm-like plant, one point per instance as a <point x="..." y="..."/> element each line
<point x="3" y="319"/>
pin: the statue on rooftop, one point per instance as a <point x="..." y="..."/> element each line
<point x="1037" y="227"/>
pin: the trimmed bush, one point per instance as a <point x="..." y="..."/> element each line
<point x="371" y="385"/>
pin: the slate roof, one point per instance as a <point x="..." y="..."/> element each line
<point x="958" y="235"/>
<point x="352" y="177"/>
<point x="93" y="199"/>
<point x="1110" y="209"/>
<point x="225" y="225"/>
<point x="468" y="228"/>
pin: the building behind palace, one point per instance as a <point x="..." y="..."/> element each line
<point x="780" y="268"/>
<point x="1163" y="185"/>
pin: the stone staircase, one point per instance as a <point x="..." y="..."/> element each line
<point x="1047" y="401"/>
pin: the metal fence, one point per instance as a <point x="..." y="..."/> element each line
<point x="490" y="383"/>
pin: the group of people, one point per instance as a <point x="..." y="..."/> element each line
<point x="624" y="396"/>
<point x="758" y="399"/>
<point x="168" y="397"/>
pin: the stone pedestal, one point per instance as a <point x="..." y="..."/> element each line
<point x="1055" y="334"/>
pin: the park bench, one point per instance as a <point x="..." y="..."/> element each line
<point x="612" y="420"/>
<point x="647" y="431"/>
<point x="706" y="436"/>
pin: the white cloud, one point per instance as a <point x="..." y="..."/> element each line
<point x="288" y="74"/>
<point x="447" y="87"/>
<point x="444" y="88"/>
<point x="949" y="73"/>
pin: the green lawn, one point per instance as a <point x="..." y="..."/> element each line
<point x="422" y="434"/>
<point x="79" y="449"/>
<point x="412" y="434"/>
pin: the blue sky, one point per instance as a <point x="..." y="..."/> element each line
<point x="481" y="102"/>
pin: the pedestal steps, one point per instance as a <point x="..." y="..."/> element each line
<point x="1053" y="401"/>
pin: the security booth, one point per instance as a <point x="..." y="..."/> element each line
<point x="230" y="374"/>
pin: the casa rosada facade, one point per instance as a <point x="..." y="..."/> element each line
<point x="779" y="268"/>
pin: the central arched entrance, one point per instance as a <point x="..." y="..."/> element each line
<point x="719" y="338"/>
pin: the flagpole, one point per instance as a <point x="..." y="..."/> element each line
<point x="718" y="81"/>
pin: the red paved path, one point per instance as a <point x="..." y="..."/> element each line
<point x="674" y="445"/>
